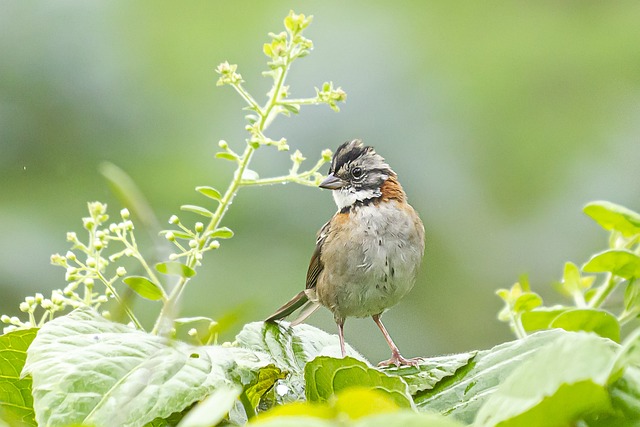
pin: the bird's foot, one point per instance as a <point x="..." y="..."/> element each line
<point x="398" y="360"/>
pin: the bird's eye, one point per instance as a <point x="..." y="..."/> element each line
<point x="356" y="172"/>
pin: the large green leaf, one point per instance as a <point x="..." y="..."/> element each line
<point x="563" y="382"/>
<point x="611" y="216"/>
<point x="601" y="322"/>
<point x="619" y="262"/>
<point x="290" y="348"/>
<point x="327" y="376"/>
<point x="16" y="403"/>
<point x="213" y="409"/>
<point x="352" y="407"/>
<point x="430" y="371"/>
<point x="86" y="369"/>
<point x="462" y="394"/>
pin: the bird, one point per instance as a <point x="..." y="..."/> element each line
<point x="367" y="256"/>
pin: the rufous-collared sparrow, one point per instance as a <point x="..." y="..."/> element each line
<point x="367" y="256"/>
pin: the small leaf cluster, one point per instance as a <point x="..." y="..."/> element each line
<point x="617" y="268"/>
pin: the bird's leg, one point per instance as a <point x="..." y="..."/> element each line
<point x="340" y="323"/>
<point x="396" y="357"/>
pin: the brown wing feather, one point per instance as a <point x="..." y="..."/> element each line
<point x="315" y="265"/>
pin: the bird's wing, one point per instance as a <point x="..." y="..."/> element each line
<point x="315" y="265"/>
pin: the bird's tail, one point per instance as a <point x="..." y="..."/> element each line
<point x="295" y="303"/>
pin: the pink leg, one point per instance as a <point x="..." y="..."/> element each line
<point x="396" y="357"/>
<point x="341" y="335"/>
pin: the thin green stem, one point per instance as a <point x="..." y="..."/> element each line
<point x="125" y="307"/>
<point x="299" y="101"/>
<point x="516" y="323"/>
<point x="604" y="291"/>
<point x="248" y="98"/>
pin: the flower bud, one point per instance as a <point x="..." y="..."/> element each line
<point x="174" y="220"/>
<point x="24" y="307"/>
<point x="124" y="213"/>
<point x="199" y="227"/>
<point x="121" y="271"/>
<point x="88" y="223"/>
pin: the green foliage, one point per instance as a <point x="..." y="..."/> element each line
<point x="325" y="377"/>
<point x="16" y="402"/>
<point x="619" y="266"/>
<point x="566" y="368"/>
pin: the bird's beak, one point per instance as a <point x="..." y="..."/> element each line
<point x="332" y="182"/>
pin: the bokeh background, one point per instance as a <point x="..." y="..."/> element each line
<point x="502" y="120"/>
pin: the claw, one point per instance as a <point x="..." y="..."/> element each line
<point x="398" y="360"/>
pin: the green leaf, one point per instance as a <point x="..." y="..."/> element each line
<point x="326" y="376"/>
<point x="197" y="210"/>
<point x="178" y="234"/>
<point x="600" y="322"/>
<point x="563" y="382"/>
<point x="227" y="156"/>
<point x="291" y="108"/>
<point x="527" y="302"/>
<point x="175" y="268"/>
<point x="210" y="192"/>
<point x="632" y="296"/>
<point x="16" y="403"/>
<point x="88" y="370"/>
<point x="611" y="216"/>
<point x="430" y="371"/>
<point x="290" y="348"/>
<point x="541" y="317"/>
<point x="221" y="233"/>
<point x="263" y="383"/>
<point x="213" y="409"/>
<point x="625" y="397"/>
<point x="144" y="287"/>
<point x="619" y="262"/>
<point x="356" y="402"/>
<point x="462" y="394"/>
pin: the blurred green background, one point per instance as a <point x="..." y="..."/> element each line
<point x="502" y="120"/>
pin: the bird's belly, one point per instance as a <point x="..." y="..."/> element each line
<point x="379" y="269"/>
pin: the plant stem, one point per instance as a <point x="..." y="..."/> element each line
<point x="267" y="114"/>
<point x="603" y="291"/>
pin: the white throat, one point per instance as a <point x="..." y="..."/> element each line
<point x="345" y="198"/>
